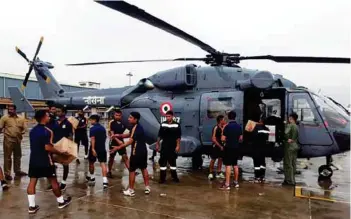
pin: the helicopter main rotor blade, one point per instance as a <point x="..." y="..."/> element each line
<point x="133" y="61"/>
<point x="306" y="59"/>
<point x="22" y="54"/>
<point x="139" y="14"/>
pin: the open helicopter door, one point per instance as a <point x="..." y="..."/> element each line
<point x="218" y="103"/>
<point x="312" y="130"/>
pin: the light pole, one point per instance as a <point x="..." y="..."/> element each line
<point x="130" y="75"/>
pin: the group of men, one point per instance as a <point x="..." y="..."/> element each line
<point x="226" y="138"/>
<point x="53" y="125"/>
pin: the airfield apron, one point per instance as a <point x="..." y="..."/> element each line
<point x="290" y="153"/>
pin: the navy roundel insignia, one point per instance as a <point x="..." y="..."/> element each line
<point x="165" y="107"/>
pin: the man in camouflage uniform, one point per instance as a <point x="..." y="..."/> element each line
<point x="291" y="148"/>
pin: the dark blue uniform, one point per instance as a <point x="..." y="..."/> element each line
<point x="169" y="133"/>
<point x="40" y="162"/>
<point x="259" y="138"/>
<point x="216" y="152"/>
<point x="138" y="157"/>
<point x="232" y="132"/>
<point x="99" y="133"/>
<point x="62" y="129"/>
<point x="81" y="135"/>
<point x="117" y="127"/>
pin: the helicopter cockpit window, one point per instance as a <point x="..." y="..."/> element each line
<point x="331" y="113"/>
<point x="303" y="109"/>
<point x="219" y="106"/>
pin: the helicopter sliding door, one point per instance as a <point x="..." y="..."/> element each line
<point x="312" y="130"/>
<point x="214" y="104"/>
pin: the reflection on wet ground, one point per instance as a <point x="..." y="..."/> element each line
<point x="194" y="197"/>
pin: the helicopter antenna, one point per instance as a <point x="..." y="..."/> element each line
<point x="214" y="57"/>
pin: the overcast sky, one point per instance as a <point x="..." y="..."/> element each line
<point x="84" y="31"/>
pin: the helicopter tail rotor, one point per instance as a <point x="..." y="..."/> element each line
<point x="31" y="64"/>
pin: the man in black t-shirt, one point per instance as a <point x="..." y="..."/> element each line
<point x="80" y="135"/>
<point x="217" y="148"/>
<point x="170" y="134"/>
<point x="40" y="162"/>
<point x="138" y="156"/>
<point x="116" y="129"/>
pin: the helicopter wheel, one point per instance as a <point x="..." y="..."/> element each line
<point x="325" y="171"/>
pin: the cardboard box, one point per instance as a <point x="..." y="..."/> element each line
<point x="73" y="121"/>
<point x="250" y="125"/>
<point x="65" y="145"/>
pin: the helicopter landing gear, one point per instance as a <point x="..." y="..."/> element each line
<point x="325" y="171"/>
<point x="197" y="161"/>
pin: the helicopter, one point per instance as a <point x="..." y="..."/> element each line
<point x="198" y="94"/>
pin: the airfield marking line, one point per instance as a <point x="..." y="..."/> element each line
<point x="129" y="208"/>
<point x="310" y="208"/>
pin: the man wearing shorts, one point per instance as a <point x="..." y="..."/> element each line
<point x="138" y="157"/>
<point x="40" y="162"/>
<point x="232" y="135"/>
<point x="217" y="149"/>
<point x="116" y="130"/>
<point x="97" y="149"/>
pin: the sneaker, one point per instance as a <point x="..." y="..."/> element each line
<point x="262" y="180"/>
<point x="4" y="185"/>
<point x="105" y="185"/>
<point x="33" y="210"/>
<point x="49" y="188"/>
<point x="147" y="190"/>
<point x="257" y="180"/>
<point x="221" y="175"/>
<point x="77" y="161"/>
<point x="236" y="184"/>
<point x="210" y="176"/>
<point x="224" y="187"/>
<point x="129" y="192"/>
<point x="91" y="181"/>
<point x="85" y="157"/>
<point x="65" y="203"/>
<point x="109" y="175"/>
<point x="63" y="187"/>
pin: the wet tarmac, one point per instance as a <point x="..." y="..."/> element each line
<point x="194" y="197"/>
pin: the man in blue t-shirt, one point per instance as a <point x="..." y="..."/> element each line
<point x="40" y="162"/>
<point x="62" y="128"/>
<point x="232" y="135"/>
<point x="97" y="149"/>
<point x="138" y="155"/>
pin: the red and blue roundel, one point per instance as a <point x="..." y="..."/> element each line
<point x="165" y="107"/>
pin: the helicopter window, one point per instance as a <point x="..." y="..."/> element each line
<point x="303" y="109"/>
<point x="332" y="114"/>
<point x="219" y="106"/>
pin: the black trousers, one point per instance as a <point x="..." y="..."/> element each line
<point x="170" y="157"/>
<point x="81" y="137"/>
<point x="259" y="161"/>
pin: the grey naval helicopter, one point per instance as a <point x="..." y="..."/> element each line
<point x="197" y="95"/>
